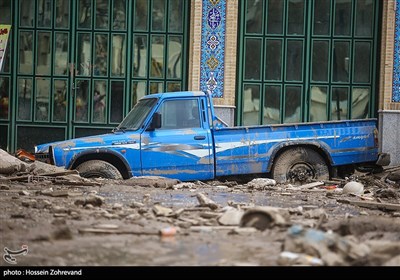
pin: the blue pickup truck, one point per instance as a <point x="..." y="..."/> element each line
<point x="177" y="135"/>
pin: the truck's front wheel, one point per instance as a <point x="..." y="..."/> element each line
<point x="298" y="165"/>
<point x="98" y="168"/>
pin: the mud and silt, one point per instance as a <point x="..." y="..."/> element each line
<point x="161" y="222"/>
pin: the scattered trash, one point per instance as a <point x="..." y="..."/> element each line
<point x="353" y="188"/>
<point x="312" y="185"/>
<point x="24" y="156"/>
<point x="265" y="217"/>
<point x="168" y="231"/>
<point x="331" y="248"/>
<point x="206" y="202"/>
<point x="288" y="258"/>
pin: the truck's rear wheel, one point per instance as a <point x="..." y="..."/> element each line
<point x="298" y="165"/>
<point x="98" y="168"/>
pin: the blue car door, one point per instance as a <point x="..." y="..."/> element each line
<point x="182" y="147"/>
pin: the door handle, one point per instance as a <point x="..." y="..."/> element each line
<point x="199" y="137"/>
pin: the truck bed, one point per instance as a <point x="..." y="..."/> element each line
<point x="251" y="149"/>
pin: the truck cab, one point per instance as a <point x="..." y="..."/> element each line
<point x="164" y="134"/>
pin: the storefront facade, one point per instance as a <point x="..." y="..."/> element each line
<point x="76" y="67"/>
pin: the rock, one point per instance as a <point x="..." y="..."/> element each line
<point x="383" y="251"/>
<point x="29" y="203"/>
<point x="261" y="183"/>
<point x="184" y="225"/>
<point x="117" y="206"/>
<point x="47" y="191"/>
<point x="10" y="164"/>
<point x="151" y="181"/>
<point x="4" y="187"/>
<point x="264" y="217"/>
<point x="221" y="187"/>
<point x="161" y="211"/>
<point x="394" y="176"/>
<point x="60" y="209"/>
<point x="60" y="193"/>
<point x="146" y="198"/>
<point x="393" y="262"/>
<point x="210" y="215"/>
<point x="354" y="188"/>
<point x="18" y="216"/>
<point x="206" y="202"/>
<point x="94" y="200"/>
<point x="231" y="218"/>
<point x="387" y="193"/>
<point x="185" y="185"/>
<point x="59" y="221"/>
<point x="133" y="217"/>
<point x="136" y="204"/>
<point x="62" y="233"/>
<point x="24" y="193"/>
<point x="315" y="213"/>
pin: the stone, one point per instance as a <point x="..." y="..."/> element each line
<point x="4" y="187"/>
<point x="206" y="202"/>
<point x="29" y="203"/>
<point x="10" y="164"/>
<point x="94" y="200"/>
<point x="62" y="233"/>
<point x="231" y="218"/>
<point x="261" y="183"/>
<point x="161" y="210"/>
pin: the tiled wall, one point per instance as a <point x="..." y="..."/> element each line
<point x="213" y="47"/>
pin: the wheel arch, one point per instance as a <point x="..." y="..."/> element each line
<point x="106" y="155"/>
<point x="320" y="148"/>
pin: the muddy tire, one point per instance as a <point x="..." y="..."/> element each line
<point x="98" y="168"/>
<point x="298" y="165"/>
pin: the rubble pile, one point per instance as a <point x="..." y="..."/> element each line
<point x="337" y="222"/>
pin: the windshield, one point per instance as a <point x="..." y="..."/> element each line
<point x="138" y="114"/>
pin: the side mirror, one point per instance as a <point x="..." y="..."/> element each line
<point x="155" y="122"/>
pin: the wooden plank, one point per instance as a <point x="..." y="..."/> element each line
<point x="54" y="174"/>
<point x="114" y="231"/>
<point x="312" y="185"/>
<point x="372" y="205"/>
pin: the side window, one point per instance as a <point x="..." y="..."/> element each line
<point x="178" y="114"/>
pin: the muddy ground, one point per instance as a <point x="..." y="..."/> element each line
<point x="156" y="222"/>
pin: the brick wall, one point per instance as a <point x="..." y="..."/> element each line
<point x="195" y="45"/>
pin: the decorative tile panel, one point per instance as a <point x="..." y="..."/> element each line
<point x="213" y="47"/>
<point x="396" y="62"/>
